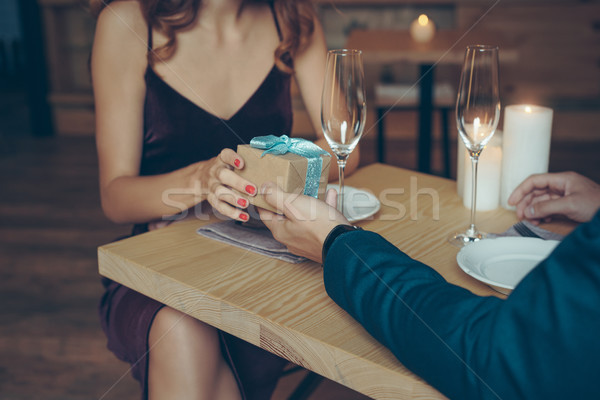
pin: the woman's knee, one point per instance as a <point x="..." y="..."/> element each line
<point x="186" y="360"/>
<point x="178" y="329"/>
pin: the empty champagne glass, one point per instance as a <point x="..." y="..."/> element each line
<point x="343" y="107"/>
<point x="477" y="115"/>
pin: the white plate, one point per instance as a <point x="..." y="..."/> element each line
<point x="503" y="262"/>
<point x="358" y="204"/>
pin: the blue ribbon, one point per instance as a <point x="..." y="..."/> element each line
<point x="283" y="144"/>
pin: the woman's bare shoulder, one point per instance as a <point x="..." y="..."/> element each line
<point x="124" y="16"/>
<point x="121" y="35"/>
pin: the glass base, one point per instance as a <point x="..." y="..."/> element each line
<point x="462" y="239"/>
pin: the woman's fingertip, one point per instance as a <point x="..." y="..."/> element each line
<point x="244" y="217"/>
<point x="250" y="189"/>
<point x="237" y="162"/>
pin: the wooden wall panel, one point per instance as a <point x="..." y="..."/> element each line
<point x="558" y="44"/>
<point x="559" y="48"/>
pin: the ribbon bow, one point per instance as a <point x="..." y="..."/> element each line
<point x="283" y="144"/>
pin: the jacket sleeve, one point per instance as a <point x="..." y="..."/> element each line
<point x="539" y="343"/>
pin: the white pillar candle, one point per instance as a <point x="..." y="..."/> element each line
<point x="526" y="146"/>
<point x="488" y="174"/>
<point x="422" y="29"/>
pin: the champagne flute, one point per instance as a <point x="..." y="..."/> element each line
<point x="477" y="115"/>
<point x="343" y="107"/>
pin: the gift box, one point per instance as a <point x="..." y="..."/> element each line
<point x="295" y="165"/>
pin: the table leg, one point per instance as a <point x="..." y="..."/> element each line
<point x="380" y="134"/>
<point x="425" y="116"/>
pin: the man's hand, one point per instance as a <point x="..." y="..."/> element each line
<point x="305" y="222"/>
<point x="543" y="195"/>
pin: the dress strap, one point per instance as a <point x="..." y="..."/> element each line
<point x="149" y="37"/>
<point x="272" y="6"/>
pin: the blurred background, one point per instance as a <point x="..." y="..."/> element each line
<point x="51" y="345"/>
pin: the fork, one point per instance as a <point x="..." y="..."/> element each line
<point x="524" y="230"/>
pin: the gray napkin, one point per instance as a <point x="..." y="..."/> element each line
<point x="543" y="233"/>
<point x="255" y="239"/>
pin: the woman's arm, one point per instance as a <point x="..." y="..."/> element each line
<point x="118" y="68"/>
<point x="309" y="67"/>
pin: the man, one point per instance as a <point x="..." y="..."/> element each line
<point x="541" y="342"/>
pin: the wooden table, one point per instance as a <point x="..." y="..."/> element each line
<point x="382" y="47"/>
<point x="283" y="307"/>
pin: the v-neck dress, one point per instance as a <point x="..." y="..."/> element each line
<point x="177" y="133"/>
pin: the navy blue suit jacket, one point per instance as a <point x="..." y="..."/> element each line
<point x="542" y="342"/>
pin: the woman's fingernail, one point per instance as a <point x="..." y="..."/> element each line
<point x="531" y="211"/>
<point x="250" y="189"/>
<point x="242" y="202"/>
<point x="237" y="162"/>
<point x="244" y="217"/>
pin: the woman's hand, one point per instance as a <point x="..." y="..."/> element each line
<point x="217" y="179"/>
<point x="306" y="221"/>
<point x="542" y="195"/>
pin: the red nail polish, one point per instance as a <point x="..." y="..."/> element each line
<point x="237" y="162"/>
<point x="250" y="189"/>
<point x="242" y="202"/>
<point x="244" y="217"/>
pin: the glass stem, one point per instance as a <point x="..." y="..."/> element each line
<point x="474" y="164"/>
<point x="341" y="166"/>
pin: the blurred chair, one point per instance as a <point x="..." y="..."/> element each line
<point x="394" y="97"/>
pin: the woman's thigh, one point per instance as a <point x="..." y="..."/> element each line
<point x="186" y="360"/>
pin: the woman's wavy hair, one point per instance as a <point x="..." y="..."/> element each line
<point x="295" y="18"/>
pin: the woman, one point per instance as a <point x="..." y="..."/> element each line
<point x="177" y="86"/>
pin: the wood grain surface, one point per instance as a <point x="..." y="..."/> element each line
<point x="283" y="307"/>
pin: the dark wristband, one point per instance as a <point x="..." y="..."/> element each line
<point x="333" y="234"/>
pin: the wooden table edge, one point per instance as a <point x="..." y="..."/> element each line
<point x="381" y="382"/>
